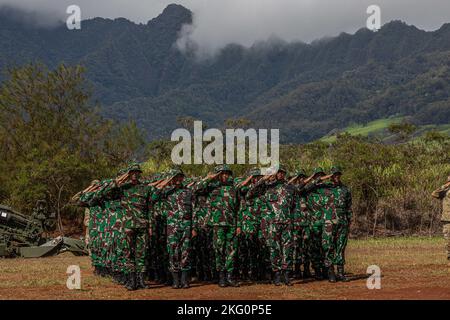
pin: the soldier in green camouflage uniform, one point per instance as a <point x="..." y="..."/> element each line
<point x="135" y="199"/>
<point x="202" y="237"/>
<point x="115" y="232"/>
<point x="323" y="223"/>
<point x="222" y="204"/>
<point x="95" y="213"/>
<point x="314" y="205"/>
<point x="342" y="204"/>
<point x="301" y="227"/>
<point x="179" y="222"/>
<point x="159" y="239"/>
<point x="277" y="222"/>
<point x="249" y="221"/>
<point x="443" y="194"/>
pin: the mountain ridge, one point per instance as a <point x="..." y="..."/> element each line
<point x="137" y="72"/>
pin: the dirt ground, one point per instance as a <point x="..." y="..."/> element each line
<point x="411" y="268"/>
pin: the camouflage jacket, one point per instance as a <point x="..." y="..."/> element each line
<point x="249" y="214"/>
<point x="443" y="193"/>
<point x="300" y="217"/>
<point x="342" y="203"/>
<point x="135" y="200"/>
<point x="319" y="202"/>
<point x="222" y="202"/>
<point x="200" y="211"/>
<point x="279" y="198"/>
<point x="178" y="202"/>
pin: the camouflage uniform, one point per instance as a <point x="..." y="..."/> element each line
<point x="277" y="223"/>
<point x="342" y="204"/>
<point x="249" y="220"/>
<point x="443" y="193"/>
<point x="203" y="248"/>
<point x="135" y="200"/>
<point x="301" y="228"/>
<point x="222" y="202"/>
<point x="95" y="215"/>
<point x="179" y="222"/>
<point x="321" y="223"/>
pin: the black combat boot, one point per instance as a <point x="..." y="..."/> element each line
<point x="297" y="271"/>
<point x="115" y="277"/>
<point x="331" y="274"/>
<point x="176" y="280"/>
<point x="231" y="281"/>
<point x="222" y="281"/>
<point x="140" y="283"/>
<point x="340" y="276"/>
<point x="157" y="278"/>
<point x="287" y="278"/>
<point x="185" y="280"/>
<point x="131" y="283"/>
<point x="207" y="275"/>
<point x="122" y="278"/>
<point x="318" y="274"/>
<point x="168" y="279"/>
<point x="306" y="272"/>
<point x="325" y="273"/>
<point x="277" y="278"/>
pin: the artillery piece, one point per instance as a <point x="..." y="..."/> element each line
<point x="23" y="236"/>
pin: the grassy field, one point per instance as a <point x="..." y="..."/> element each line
<point x="373" y="127"/>
<point x="379" y="127"/>
<point x="411" y="268"/>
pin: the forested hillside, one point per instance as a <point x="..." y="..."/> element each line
<point x="307" y="90"/>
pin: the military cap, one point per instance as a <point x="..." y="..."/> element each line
<point x="300" y="173"/>
<point x="222" y="168"/>
<point x="318" y="170"/>
<point x="175" y="172"/>
<point x="134" y="167"/>
<point x="254" y="172"/>
<point x="336" y="170"/>
<point x="282" y="168"/>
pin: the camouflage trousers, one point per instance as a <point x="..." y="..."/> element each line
<point x="159" y="254"/>
<point x="119" y="248"/>
<point x="135" y="256"/>
<point x="94" y="247"/>
<point x="279" y="240"/>
<point x="301" y="236"/>
<point x="250" y="251"/>
<point x="225" y="246"/>
<point x="179" y="246"/>
<point x="328" y="243"/>
<point x="446" y="231"/>
<point x="341" y="238"/>
<point x="203" y="254"/>
<point x="315" y="246"/>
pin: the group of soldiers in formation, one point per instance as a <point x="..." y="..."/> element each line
<point x="169" y="227"/>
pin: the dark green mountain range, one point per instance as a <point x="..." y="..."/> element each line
<point x="306" y="90"/>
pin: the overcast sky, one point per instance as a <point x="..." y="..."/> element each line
<point x="219" y="22"/>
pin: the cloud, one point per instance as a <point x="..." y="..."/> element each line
<point x="220" y="22"/>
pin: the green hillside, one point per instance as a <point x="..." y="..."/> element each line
<point x="379" y="129"/>
<point x="305" y="90"/>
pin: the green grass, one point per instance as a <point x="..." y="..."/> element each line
<point x="379" y="127"/>
<point x="364" y="130"/>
